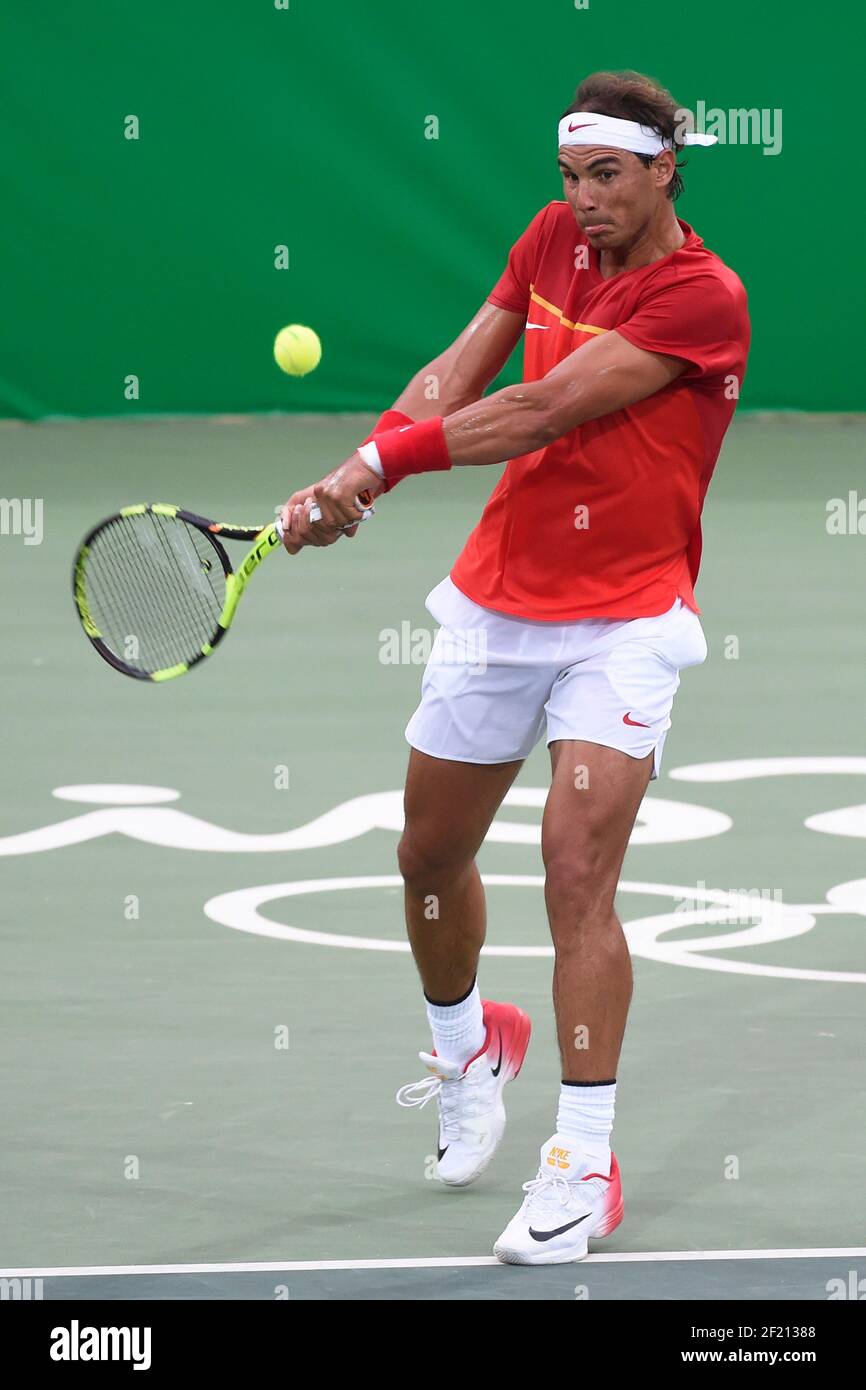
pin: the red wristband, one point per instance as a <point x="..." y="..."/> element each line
<point x="388" y="421"/>
<point x="418" y="448"/>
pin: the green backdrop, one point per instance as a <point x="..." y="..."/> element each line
<point x="305" y="127"/>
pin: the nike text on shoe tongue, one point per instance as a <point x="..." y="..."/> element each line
<point x="559" y="1157"/>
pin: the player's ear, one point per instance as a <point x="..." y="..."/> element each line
<point x="664" y="166"/>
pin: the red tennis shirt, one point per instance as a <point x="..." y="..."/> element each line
<point x="605" y="522"/>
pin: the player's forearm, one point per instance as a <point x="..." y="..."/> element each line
<point x="603" y="376"/>
<point x="513" y="421"/>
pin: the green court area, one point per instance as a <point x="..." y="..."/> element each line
<point x="207" y="1004"/>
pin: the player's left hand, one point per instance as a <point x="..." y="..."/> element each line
<point x="336" y="494"/>
<point x="299" y="531"/>
<point x="293" y="518"/>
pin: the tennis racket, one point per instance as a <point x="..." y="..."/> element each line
<point x="155" y="590"/>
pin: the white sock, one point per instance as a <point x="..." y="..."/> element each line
<point x="458" y="1029"/>
<point x="585" y="1116"/>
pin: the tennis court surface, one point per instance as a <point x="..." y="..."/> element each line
<point x="208" y="1003"/>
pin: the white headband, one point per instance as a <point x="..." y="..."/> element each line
<point x="588" y="128"/>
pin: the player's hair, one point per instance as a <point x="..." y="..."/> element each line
<point x="630" y="96"/>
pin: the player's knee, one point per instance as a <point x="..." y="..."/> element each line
<point x="575" y="884"/>
<point x="427" y="862"/>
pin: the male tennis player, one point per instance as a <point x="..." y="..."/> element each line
<point x="580" y="576"/>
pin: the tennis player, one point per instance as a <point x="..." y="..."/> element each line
<point x="579" y="582"/>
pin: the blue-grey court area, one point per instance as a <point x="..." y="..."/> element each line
<point x="714" y="1276"/>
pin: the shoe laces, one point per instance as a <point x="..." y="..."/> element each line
<point x="419" y="1092"/>
<point x="547" y="1192"/>
<point x="452" y="1100"/>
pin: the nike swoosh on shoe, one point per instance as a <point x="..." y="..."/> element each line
<point x="560" y="1230"/>
<point x="496" y="1070"/>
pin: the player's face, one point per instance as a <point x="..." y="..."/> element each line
<point x="612" y="194"/>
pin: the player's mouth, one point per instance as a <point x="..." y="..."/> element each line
<point x="598" y="228"/>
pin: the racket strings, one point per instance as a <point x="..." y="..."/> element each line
<point x="110" y="582"/>
<point x="192" y="605"/>
<point x="178" y="613"/>
<point x="133" y="633"/>
<point x="144" y="628"/>
<point x="199" y="557"/>
<point x="132" y="624"/>
<point x="155" y="587"/>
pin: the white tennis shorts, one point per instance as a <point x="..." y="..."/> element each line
<point x="494" y="684"/>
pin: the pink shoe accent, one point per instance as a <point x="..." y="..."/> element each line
<point x="613" y="1203"/>
<point x="513" y="1029"/>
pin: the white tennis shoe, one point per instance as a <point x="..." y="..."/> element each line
<point x="471" y="1110"/>
<point x="561" y="1214"/>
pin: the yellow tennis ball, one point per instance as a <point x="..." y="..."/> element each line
<point x="297" y="349"/>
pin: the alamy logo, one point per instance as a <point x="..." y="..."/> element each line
<point x="77" y="1343"/>
<point x="447" y="646"/>
<point x="20" y="1290"/>
<point x="737" y="126"/>
<point x="22" y="516"/>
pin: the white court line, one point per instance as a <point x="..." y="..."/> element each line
<point x="462" y="1262"/>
